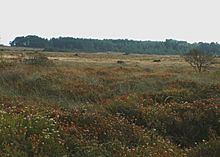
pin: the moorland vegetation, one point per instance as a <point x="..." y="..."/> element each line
<point x="88" y="105"/>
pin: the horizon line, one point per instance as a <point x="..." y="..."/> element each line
<point x="130" y="39"/>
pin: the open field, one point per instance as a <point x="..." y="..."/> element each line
<point x="107" y="104"/>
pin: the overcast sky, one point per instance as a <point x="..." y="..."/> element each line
<point x="191" y="20"/>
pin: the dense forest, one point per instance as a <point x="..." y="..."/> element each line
<point x="66" y="44"/>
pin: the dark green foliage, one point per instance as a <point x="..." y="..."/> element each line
<point x="30" y="41"/>
<point x="68" y="44"/>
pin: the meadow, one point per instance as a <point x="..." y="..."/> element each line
<point x="55" y="104"/>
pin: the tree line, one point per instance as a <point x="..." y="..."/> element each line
<point x="169" y="46"/>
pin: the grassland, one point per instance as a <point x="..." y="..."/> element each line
<point x="91" y="105"/>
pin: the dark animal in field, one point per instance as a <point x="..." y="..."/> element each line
<point x="120" y="62"/>
<point x="157" y="60"/>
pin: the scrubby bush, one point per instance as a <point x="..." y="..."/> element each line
<point x="198" y="59"/>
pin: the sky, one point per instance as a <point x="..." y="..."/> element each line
<point x="188" y="20"/>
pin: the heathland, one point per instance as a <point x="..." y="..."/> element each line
<point x="106" y="104"/>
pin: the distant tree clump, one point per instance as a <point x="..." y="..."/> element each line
<point x="68" y="44"/>
<point x="198" y="59"/>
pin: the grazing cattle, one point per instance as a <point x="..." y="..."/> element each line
<point x="120" y="62"/>
<point x="157" y="60"/>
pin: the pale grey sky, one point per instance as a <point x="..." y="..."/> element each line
<point x="191" y="20"/>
